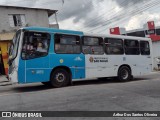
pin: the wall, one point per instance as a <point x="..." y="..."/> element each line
<point x="4" y="53"/>
<point x="54" y="26"/>
<point x="33" y="17"/>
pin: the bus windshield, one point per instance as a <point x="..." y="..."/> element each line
<point x="14" y="46"/>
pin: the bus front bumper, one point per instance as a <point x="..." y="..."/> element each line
<point x="13" y="77"/>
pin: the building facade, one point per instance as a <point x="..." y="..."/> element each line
<point x="11" y="19"/>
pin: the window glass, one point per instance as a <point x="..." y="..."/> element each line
<point x="68" y="40"/>
<point x="35" y="44"/>
<point x="67" y="44"/>
<point x="17" y="20"/>
<point x="114" y="46"/>
<point x="144" y="46"/>
<point x="90" y="41"/>
<point x="92" y="45"/>
<point x="13" y="50"/>
<point x="131" y="47"/>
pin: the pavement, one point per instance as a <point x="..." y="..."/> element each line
<point x="140" y="94"/>
<point x="4" y="81"/>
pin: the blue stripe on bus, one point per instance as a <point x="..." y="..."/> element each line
<point x="30" y="74"/>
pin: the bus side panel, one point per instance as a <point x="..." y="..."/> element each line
<point x="21" y="71"/>
<point x="34" y="70"/>
<point x="75" y="62"/>
<point x="102" y="65"/>
<point x="140" y="64"/>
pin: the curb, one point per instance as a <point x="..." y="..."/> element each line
<point x="154" y="72"/>
<point x="5" y="84"/>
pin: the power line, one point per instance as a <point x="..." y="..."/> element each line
<point x="89" y="3"/>
<point x="133" y="15"/>
<point x="117" y="15"/>
<point x="97" y="19"/>
<point x="101" y="15"/>
<point x="122" y="14"/>
<point x="141" y="10"/>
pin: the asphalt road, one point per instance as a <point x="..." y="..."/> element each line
<point x="141" y="94"/>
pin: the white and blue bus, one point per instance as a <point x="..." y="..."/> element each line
<point x="58" y="57"/>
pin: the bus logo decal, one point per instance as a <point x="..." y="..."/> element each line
<point x="78" y="59"/>
<point x="61" y="61"/>
<point x="98" y="60"/>
<point x="91" y="59"/>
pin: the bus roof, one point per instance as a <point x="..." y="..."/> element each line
<point x="53" y="30"/>
<point x="117" y="36"/>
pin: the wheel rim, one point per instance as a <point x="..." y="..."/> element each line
<point x="60" y="77"/>
<point x="124" y="74"/>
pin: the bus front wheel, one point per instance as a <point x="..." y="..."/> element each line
<point x="124" y="74"/>
<point x="59" y="78"/>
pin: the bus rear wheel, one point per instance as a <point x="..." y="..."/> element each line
<point x="124" y="74"/>
<point x="59" y="78"/>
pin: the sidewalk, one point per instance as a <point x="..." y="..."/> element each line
<point x="4" y="81"/>
<point x="155" y="71"/>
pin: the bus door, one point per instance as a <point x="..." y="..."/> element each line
<point x="138" y="56"/>
<point x="146" y="56"/>
<point x="35" y="56"/>
<point x="79" y="63"/>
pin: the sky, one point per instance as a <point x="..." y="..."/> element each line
<point x="97" y="16"/>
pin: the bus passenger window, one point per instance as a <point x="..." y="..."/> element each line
<point x="144" y="47"/>
<point x="114" y="46"/>
<point x="131" y="47"/>
<point x="67" y="44"/>
<point x="35" y="45"/>
<point x="92" y="45"/>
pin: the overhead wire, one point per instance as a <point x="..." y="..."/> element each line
<point x="119" y="15"/>
<point x="121" y="20"/>
<point x="93" y="20"/>
<point x="110" y="20"/>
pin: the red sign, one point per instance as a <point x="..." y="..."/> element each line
<point x="115" y="31"/>
<point x="151" y="25"/>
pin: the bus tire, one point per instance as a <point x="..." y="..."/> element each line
<point x="124" y="74"/>
<point x="59" y="78"/>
